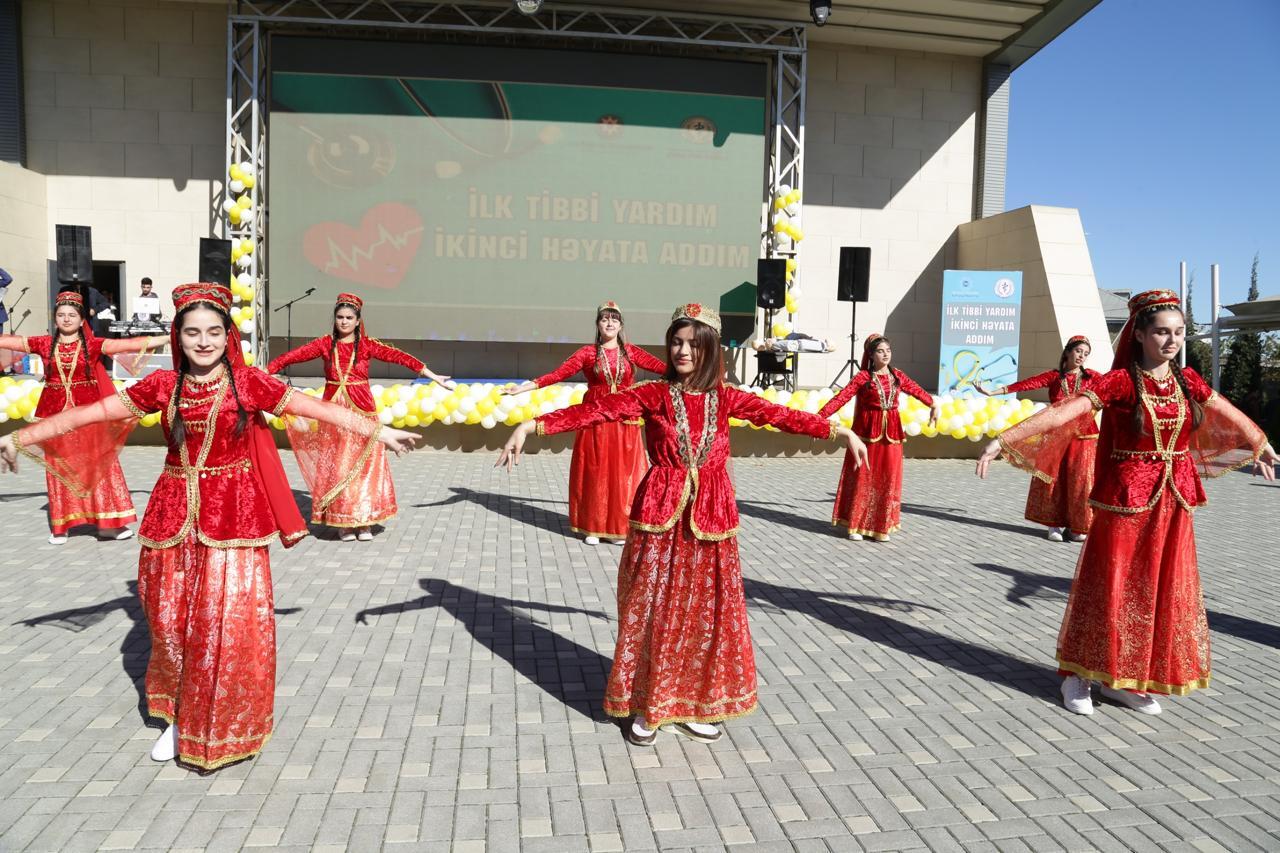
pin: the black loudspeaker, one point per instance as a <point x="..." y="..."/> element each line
<point x="215" y="261"/>
<point x="75" y="253"/>
<point x="771" y="282"/>
<point x="854" y="283"/>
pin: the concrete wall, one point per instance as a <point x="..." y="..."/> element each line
<point x="125" y="112"/>
<point x="1060" y="294"/>
<point x="889" y="142"/>
<point x="23" y="246"/>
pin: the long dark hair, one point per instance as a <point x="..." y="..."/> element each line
<point x="333" y="335"/>
<point x="178" y="429"/>
<point x="870" y="350"/>
<point x="1142" y="322"/>
<point x="708" y="368"/>
<point x="622" y="335"/>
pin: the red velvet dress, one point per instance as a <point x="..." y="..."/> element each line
<point x="869" y="499"/>
<point x="684" y="647"/>
<point x="67" y="383"/>
<point x="350" y="480"/>
<point x="204" y="575"/>
<point x="608" y="458"/>
<point x="1135" y="619"/>
<point x="1065" y="501"/>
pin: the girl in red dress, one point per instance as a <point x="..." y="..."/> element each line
<point x="350" y="490"/>
<point x="684" y="652"/>
<point x="1135" y="619"/>
<point x="1063" y="504"/>
<point x="74" y="376"/>
<point x="869" y="499"/>
<point x="608" y="458"/>
<point x="204" y="575"/>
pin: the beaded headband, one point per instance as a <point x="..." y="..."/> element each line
<point x="699" y="312"/>
<point x="349" y="299"/>
<point x="69" y="297"/>
<point x="609" y="305"/>
<point x="1154" y="299"/>
<point x="1077" y="339"/>
<point x="215" y="295"/>
<point x="872" y="341"/>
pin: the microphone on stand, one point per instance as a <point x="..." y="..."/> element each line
<point x="289" y="317"/>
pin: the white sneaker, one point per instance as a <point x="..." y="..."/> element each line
<point x="1140" y="702"/>
<point x="166" y="746"/>
<point x="347" y="536"/>
<point x="618" y="542"/>
<point x="592" y="540"/>
<point x="1075" y="695"/>
<point x="1055" y="534"/>
<point x="365" y="535"/>
<point x="701" y="732"/>
<point x="1077" y="537"/>
<point x="57" y="539"/>
<point x="855" y="537"/>
<point x="120" y="535"/>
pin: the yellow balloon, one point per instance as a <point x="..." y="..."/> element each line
<point x="234" y="216"/>
<point x="235" y="173"/>
<point x="247" y="247"/>
<point x="247" y="312"/>
<point x="244" y="201"/>
<point x="398" y="423"/>
<point x="411" y="420"/>
<point x="247" y="180"/>
<point x="450" y="403"/>
<point x="440" y="413"/>
<point x="248" y="359"/>
<point x="474" y="417"/>
<point x="513" y="417"/>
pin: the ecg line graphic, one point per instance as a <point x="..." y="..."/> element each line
<point x="352" y="258"/>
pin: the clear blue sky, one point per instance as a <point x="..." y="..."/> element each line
<point x="1160" y="122"/>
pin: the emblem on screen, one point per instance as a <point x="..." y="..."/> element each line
<point x="348" y="155"/>
<point x="699" y="129"/>
<point x="609" y="126"/>
<point x="378" y="253"/>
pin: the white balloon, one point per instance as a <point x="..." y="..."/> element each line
<point x="404" y="392"/>
<point x="488" y="422"/>
<point x="4" y="416"/>
<point x="228" y="205"/>
<point x="385" y="417"/>
<point x="244" y="261"/>
<point x="912" y="428"/>
<point x="246" y="168"/>
<point x="246" y="327"/>
<point x="246" y="216"/>
<point x="376" y="391"/>
<point x="399" y="410"/>
<point x="245" y="346"/>
<point x="244" y="280"/>
<point x="236" y="187"/>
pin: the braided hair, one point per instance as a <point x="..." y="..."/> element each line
<point x="893" y="372"/>
<point x="178" y="429"/>
<point x="333" y="335"/>
<point x="84" y="348"/>
<point x="1143" y="322"/>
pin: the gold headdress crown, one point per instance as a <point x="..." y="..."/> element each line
<point x="699" y="312"/>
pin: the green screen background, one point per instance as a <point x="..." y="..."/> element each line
<point x="415" y="193"/>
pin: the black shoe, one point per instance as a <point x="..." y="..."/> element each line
<point x="683" y="728"/>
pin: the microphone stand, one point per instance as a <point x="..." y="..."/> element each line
<point x="289" y="317"/>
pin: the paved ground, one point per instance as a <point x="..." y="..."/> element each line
<point x="439" y="688"/>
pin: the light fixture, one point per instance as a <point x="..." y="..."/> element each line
<point x="528" y="7"/>
<point x="819" y="10"/>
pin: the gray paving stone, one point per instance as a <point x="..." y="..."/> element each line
<point x="440" y="687"/>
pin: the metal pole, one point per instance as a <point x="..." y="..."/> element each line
<point x="1182" y="297"/>
<point x="1217" y="343"/>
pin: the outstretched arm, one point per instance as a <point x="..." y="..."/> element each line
<point x="302" y="405"/>
<point x="14" y="342"/>
<point x="1031" y="444"/>
<point x="837" y="402"/>
<point x="573" y="364"/>
<point x="109" y="408"/>
<point x="115" y="346"/>
<point x="622" y="406"/>
<point x="306" y="352"/>
<point x="1031" y="383"/>
<point x="642" y="359"/>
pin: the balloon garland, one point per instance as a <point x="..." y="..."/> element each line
<point x="412" y="406"/>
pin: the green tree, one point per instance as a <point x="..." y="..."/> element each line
<point x="1242" y="371"/>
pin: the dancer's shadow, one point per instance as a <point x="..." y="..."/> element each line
<point x="523" y="510"/>
<point x="960" y="655"/>
<point x="21" y="496"/>
<point x="304" y="502"/>
<point x="1034" y="585"/>
<point x="770" y="512"/>
<point x="957" y="515"/>
<point x="571" y="673"/>
<point x="135" y="648"/>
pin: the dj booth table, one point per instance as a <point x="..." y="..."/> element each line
<point x="138" y="328"/>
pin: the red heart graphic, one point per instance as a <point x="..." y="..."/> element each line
<point x="378" y="253"/>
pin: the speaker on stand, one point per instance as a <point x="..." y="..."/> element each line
<point x="75" y="254"/>
<point x="853" y="285"/>
<point x="771" y="294"/>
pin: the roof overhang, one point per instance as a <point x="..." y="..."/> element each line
<point x="1004" y="32"/>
